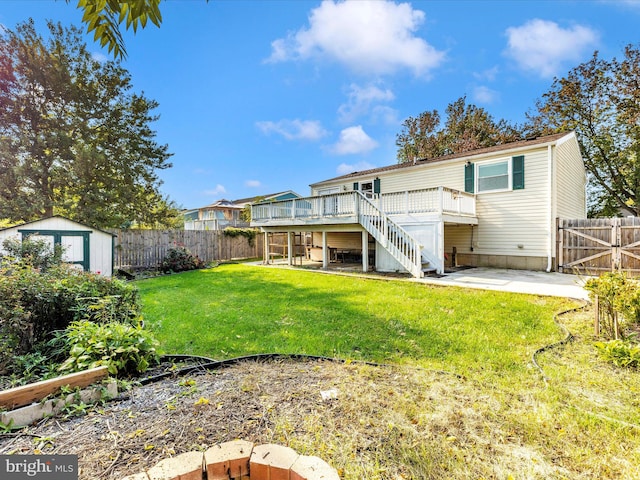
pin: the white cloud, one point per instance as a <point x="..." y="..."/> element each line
<point x="99" y="57"/>
<point x="353" y="140"/>
<point x="371" y="37"/>
<point x="361" y="99"/>
<point x="488" y="75"/>
<point x="482" y="94"/>
<point x="294" y="129"/>
<point x="544" y="47"/>
<point x="253" y="183"/>
<point x="345" y="168"/>
<point x="218" y="190"/>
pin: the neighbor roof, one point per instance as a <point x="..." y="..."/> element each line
<point x="456" y="156"/>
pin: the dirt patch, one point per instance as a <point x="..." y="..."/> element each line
<point x="373" y="422"/>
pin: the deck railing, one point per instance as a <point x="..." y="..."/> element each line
<point x="429" y="200"/>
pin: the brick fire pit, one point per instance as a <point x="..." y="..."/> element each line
<point x="240" y="460"/>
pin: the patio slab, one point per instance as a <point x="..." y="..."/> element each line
<point x="518" y="281"/>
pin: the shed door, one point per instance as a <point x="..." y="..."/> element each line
<point x="74" y="243"/>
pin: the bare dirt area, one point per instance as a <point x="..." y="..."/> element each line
<point x="369" y="422"/>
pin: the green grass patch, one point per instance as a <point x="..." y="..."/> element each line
<point x="501" y="420"/>
<point x="236" y="310"/>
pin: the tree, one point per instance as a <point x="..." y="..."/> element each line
<point x="466" y="128"/>
<point x="600" y="101"/>
<point x="104" y="17"/>
<point x="74" y="140"/>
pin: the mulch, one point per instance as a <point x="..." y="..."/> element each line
<point x="250" y="400"/>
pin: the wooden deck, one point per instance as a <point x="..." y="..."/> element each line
<point x="344" y="208"/>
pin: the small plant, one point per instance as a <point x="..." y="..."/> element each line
<point x="122" y="348"/>
<point x="623" y="353"/>
<point x="180" y="259"/>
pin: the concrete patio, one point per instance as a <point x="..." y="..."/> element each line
<point x="518" y="281"/>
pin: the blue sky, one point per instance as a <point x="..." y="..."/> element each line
<point x="258" y="97"/>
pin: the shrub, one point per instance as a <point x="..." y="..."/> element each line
<point x="180" y="259"/>
<point x="30" y="253"/>
<point x="618" y="295"/>
<point x="623" y="353"/>
<point x="249" y="233"/>
<point x="122" y="348"/>
<point x="34" y="304"/>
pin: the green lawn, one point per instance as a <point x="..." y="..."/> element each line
<point x="500" y="420"/>
<point x="236" y="310"/>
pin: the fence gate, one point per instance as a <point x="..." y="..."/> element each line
<point x="595" y="245"/>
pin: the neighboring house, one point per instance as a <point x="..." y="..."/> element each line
<point x="494" y="207"/>
<point x="226" y="213"/>
<point x="87" y="248"/>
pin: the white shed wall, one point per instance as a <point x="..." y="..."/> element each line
<point x="100" y="243"/>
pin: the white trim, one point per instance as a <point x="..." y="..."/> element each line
<point x="477" y="166"/>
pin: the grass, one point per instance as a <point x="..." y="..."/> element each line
<point x="500" y="420"/>
<point x="237" y="310"/>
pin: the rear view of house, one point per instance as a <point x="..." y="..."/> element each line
<point x="493" y="207"/>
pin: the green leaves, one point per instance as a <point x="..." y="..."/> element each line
<point x="104" y="17"/>
<point x="74" y="139"/>
<point x="122" y="348"/>
<point x="622" y="353"/>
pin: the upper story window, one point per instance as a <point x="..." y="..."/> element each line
<point x="493" y="176"/>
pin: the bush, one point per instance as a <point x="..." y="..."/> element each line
<point x="249" y="233"/>
<point x="619" y="297"/>
<point x="623" y="353"/>
<point x="29" y="252"/>
<point x="34" y="304"/>
<point x="180" y="259"/>
<point x="122" y="348"/>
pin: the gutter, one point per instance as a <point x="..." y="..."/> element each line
<point x="550" y="209"/>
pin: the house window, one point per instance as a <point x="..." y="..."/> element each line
<point x="367" y="189"/>
<point x="493" y="176"/>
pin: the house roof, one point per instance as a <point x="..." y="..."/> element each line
<point x="269" y="196"/>
<point x="56" y="216"/>
<point x="547" y="139"/>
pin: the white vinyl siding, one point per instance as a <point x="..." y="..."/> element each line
<point x="513" y="218"/>
<point x="570" y="182"/>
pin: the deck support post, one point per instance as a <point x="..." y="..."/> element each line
<point x="265" y="253"/>
<point x="325" y="251"/>
<point x="289" y="248"/>
<point x="365" y="251"/>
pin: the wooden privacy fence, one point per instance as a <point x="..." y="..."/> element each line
<point x="595" y="245"/>
<point x="145" y="249"/>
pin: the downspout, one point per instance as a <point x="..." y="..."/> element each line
<point x="550" y="209"/>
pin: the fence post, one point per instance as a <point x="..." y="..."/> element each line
<point x="597" y="319"/>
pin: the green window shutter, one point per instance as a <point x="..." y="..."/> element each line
<point x="517" y="171"/>
<point x="376" y="185"/>
<point x="468" y="178"/>
<point x="355" y="185"/>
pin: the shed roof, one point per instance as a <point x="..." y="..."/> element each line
<point x="57" y="216"/>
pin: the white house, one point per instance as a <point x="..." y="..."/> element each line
<point x="495" y="207"/>
<point x="88" y="248"/>
<point x="227" y="213"/>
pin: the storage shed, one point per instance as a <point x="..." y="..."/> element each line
<point x="88" y="248"/>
